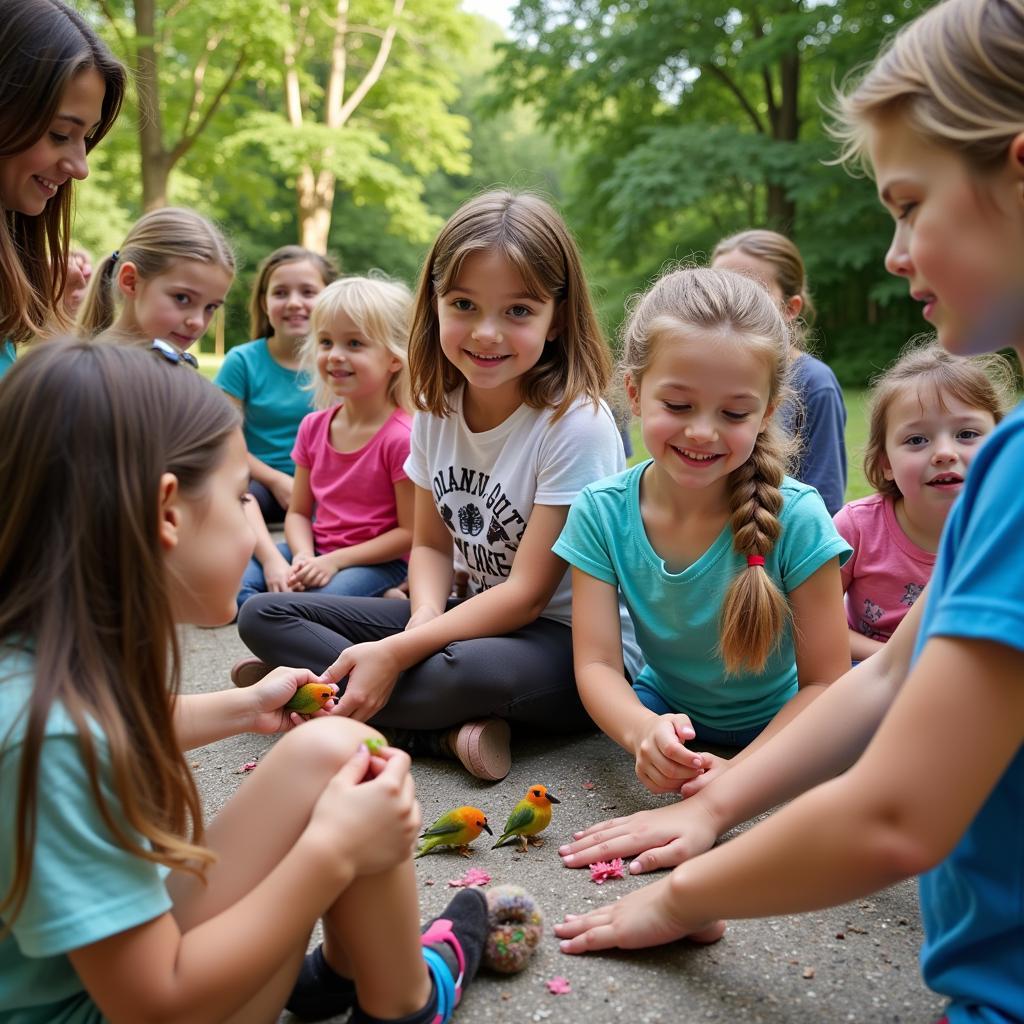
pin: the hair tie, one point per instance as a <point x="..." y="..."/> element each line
<point x="754" y="560"/>
<point x="114" y="255"/>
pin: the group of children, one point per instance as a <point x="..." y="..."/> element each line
<point x="703" y="603"/>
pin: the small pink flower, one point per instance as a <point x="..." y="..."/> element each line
<point x="602" y="870"/>
<point x="588" y="785"/>
<point x="559" y="986"/>
<point x="474" y="876"/>
<point x="247" y="767"/>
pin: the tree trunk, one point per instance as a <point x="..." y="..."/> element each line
<point x="785" y="128"/>
<point x="155" y="169"/>
<point x="316" y="202"/>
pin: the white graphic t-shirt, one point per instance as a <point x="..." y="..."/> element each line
<point x="485" y="485"/>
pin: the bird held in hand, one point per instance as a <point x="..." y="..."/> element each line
<point x="455" y="828"/>
<point x="309" y="699"/>
<point x="531" y="815"/>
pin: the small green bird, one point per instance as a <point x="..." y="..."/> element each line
<point x="455" y="828"/>
<point x="310" y="698"/>
<point x="531" y="815"/>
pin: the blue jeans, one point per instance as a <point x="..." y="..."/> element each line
<point x="355" y="581"/>
<point x="653" y="701"/>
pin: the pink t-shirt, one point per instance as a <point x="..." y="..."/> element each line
<point x="887" y="570"/>
<point x="353" y="492"/>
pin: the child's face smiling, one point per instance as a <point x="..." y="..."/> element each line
<point x="31" y="178"/>
<point x="959" y="239"/>
<point x="931" y="438"/>
<point x="491" y="330"/>
<point x="178" y="304"/>
<point x="292" y="289"/>
<point x="351" y="364"/>
<point x="702" y="402"/>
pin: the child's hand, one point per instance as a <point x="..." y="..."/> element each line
<point x="713" y="767"/>
<point x="270" y="695"/>
<point x="372" y="672"/>
<point x="312" y="573"/>
<point x="646" y="917"/>
<point x="372" y="823"/>
<point x="660" y="838"/>
<point x="276" y="571"/>
<point x="663" y="763"/>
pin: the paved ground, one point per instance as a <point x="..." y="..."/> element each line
<point x="855" y="963"/>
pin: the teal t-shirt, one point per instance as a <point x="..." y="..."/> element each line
<point x="273" y="401"/>
<point x="676" y="615"/>
<point x="972" y="904"/>
<point x="84" y="887"/>
<point x="8" y="353"/>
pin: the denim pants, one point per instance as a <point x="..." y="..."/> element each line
<point x="653" y="701"/>
<point x="355" y="581"/>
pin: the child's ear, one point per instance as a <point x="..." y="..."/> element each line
<point x="887" y="473"/>
<point x="128" y="279"/>
<point x="1017" y="161"/>
<point x="169" y="515"/>
<point x="633" y="394"/>
<point x="768" y="413"/>
<point x="557" y="327"/>
<point x="792" y="307"/>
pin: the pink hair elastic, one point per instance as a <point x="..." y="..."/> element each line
<point x="755" y="560"/>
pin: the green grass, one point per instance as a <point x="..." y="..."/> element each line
<point x="856" y="435"/>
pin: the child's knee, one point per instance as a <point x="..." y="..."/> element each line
<point x="322" y="745"/>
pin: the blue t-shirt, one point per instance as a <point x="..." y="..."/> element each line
<point x="973" y="902"/>
<point x="820" y="420"/>
<point x="8" y="353"/>
<point x="676" y="615"/>
<point x="84" y="886"/>
<point x="273" y="401"/>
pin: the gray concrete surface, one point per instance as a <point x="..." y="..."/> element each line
<point x="854" y="963"/>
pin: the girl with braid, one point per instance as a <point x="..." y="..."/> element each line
<point x="729" y="568"/>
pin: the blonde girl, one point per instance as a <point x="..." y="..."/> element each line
<point x="508" y="366"/>
<point x="817" y="416"/>
<point x="729" y="569"/>
<point x="117" y="904"/>
<point x="264" y="378"/>
<point x="169" y="277"/>
<point x="927" y="736"/>
<point x="349" y="524"/>
<point x="930" y="412"/>
<point x="60" y="93"/>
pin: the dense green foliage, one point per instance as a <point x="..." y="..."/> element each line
<point x="657" y="125"/>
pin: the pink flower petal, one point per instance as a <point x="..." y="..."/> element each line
<point x="602" y="870"/>
<point x="474" y="876"/>
<point x="247" y="767"/>
<point x="588" y="785"/>
<point x="559" y="986"/>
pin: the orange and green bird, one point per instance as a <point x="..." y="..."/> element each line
<point x="310" y="698"/>
<point x="455" y="828"/>
<point x="531" y="815"/>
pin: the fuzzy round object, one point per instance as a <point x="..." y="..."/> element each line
<point x="516" y="925"/>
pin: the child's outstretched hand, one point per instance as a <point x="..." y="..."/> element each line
<point x="646" y="917"/>
<point x="271" y="694"/>
<point x="372" y="672"/>
<point x="368" y="812"/>
<point x="659" y="838"/>
<point x="663" y="763"/>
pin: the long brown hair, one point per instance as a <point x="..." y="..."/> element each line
<point x="44" y="45"/>
<point x="259" y="323"/>
<point x="980" y="382"/>
<point x="727" y="305"/>
<point x="89" y="430"/>
<point x="156" y="240"/>
<point x="531" y="235"/>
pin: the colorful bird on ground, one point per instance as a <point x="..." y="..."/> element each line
<point x="310" y="698"/>
<point x="455" y="828"/>
<point x="531" y="815"/>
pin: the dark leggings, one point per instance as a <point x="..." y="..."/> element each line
<point x="272" y="511"/>
<point x="525" y="676"/>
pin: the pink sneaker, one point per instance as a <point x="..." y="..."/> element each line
<point x="249" y="671"/>
<point x="483" y="748"/>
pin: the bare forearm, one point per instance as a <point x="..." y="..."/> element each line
<point x="298" y="532"/>
<point x="611" y="703"/>
<point x="815" y="746"/>
<point x="862" y="647"/>
<point x="494" y="612"/>
<point x="202" y="718"/>
<point x="801" y="700"/>
<point x="430" y="578"/>
<point x="385" y="548"/>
